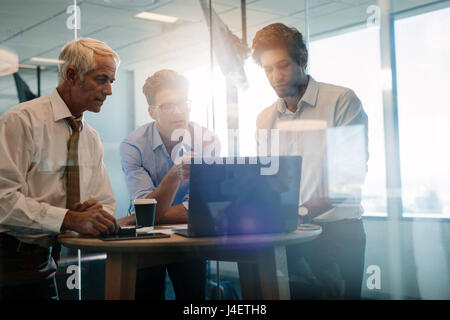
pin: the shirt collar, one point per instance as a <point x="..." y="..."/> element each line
<point x="60" y="109"/>
<point x="309" y="97"/>
<point x="157" y="140"/>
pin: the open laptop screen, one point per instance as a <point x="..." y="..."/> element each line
<point x="237" y="196"/>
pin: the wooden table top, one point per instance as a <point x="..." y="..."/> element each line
<point x="177" y="242"/>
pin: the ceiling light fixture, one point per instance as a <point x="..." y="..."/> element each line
<point x="31" y="66"/>
<point x="156" y="17"/>
<point x="46" y="60"/>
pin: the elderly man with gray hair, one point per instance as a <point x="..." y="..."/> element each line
<point x="52" y="175"/>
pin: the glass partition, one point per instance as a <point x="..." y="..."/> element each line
<point x="228" y="90"/>
<point x="423" y="108"/>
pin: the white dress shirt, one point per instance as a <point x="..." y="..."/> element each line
<point x="329" y="131"/>
<point x="33" y="153"/>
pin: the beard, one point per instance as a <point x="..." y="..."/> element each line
<point x="284" y="93"/>
<point x="287" y="91"/>
<point x="297" y="88"/>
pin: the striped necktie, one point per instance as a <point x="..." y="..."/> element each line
<point x="72" y="178"/>
<point x="73" y="169"/>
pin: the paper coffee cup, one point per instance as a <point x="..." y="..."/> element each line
<point x="145" y="212"/>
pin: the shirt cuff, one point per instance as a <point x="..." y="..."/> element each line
<point x="54" y="218"/>
<point x="186" y="205"/>
<point x="142" y="194"/>
<point x="109" y="210"/>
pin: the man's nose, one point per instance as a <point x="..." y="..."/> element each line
<point x="277" y="76"/>
<point x="108" y="89"/>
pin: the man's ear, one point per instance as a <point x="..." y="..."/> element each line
<point x="152" y="112"/>
<point x="72" y="75"/>
<point x="304" y="58"/>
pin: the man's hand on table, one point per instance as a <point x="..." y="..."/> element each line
<point x="316" y="207"/>
<point x="89" y="218"/>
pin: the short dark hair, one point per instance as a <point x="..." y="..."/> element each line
<point x="163" y="79"/>
<point x="278" y="35"/>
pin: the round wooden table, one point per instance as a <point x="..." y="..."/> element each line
<point x="261" y="259"/>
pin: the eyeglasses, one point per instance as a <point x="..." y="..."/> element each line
<point x="170" y="106"/>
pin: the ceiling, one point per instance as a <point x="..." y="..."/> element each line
<point x="37" y="28"/>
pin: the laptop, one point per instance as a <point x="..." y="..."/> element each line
<point x="241" y="195"/>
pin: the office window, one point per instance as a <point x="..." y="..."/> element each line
<point x="258" y="96"/>
<point x="423" y="73"/>
<point x="200" y="95"/>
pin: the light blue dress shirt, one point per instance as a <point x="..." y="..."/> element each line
<point x="145" y="162"/>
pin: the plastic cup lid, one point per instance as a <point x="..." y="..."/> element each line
<point x="145" y="201"/>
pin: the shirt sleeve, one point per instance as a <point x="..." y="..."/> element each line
<point x="138" y="180"/>
<point x="347" y="152"/>
<point x="17" y="211"/>
<point x="350" y="112"/>
<point x="100" y="185"/>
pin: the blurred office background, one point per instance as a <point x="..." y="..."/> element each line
<point x="394" y="54"/>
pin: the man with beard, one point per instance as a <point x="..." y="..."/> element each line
<point x="332" y="265"/>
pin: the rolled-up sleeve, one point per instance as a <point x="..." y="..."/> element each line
<point x="17" y="211"/>
<point x="347" y="157"/>
<point x="138" y="180"/>
<point x="350" y="112"/>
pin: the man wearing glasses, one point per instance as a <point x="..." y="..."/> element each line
<point x="150" y="160"/>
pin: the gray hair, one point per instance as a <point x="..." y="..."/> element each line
<point x="80" y="54"/>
